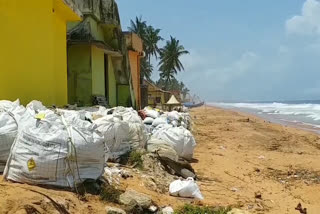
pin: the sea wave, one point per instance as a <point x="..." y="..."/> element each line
<point x="306" y="110"/>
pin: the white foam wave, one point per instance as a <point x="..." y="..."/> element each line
<point x="311" y="111"/>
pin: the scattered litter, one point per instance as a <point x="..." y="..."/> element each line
<point x="258" y="195"/>
<point x="153" y="209"/>
<point x="262" y="157"/>
<point x="186" y="188"/>
<point x="301" y="209"/>
<point x="113" y="174"/>
<point x="234" y="189"/>
<point x="167" y="210"/>
<point x="222" y="147"/>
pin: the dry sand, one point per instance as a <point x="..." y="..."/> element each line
<point x="241" y="156"/>
<point x="239" y="159"/>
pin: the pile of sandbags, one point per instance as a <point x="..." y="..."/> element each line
<point x="10" y="114"/>
<point x="122" y="128"/>
<point x="179" y="138"/>
<point x="115" y="132"/>
<point x="53" y="149"/>
<point x="155" y="117"/>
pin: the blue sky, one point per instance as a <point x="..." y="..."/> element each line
<point x="240" y="50"/>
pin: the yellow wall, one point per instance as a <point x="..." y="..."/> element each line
<point x="33" y="50"/>
<point x="98" y="70"/>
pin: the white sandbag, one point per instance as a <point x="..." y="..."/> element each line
<point x="127" y="114"/>
<point x="10" y="114"/>
<point x="159" y="120"/>
<point x="115" y="132"/>
<point x="148" y="120"/>
<point x="163" y="148"/>
<point x="179" y="137"/>
<point x="173" y="115"/>
<point x="137" y="136"/>
<point x="187" y="189"/>
<point x="52" y="151"/>
<point x="152" y="113"/>
<point x="175" y="123"/>
<point x="36" y="106"/>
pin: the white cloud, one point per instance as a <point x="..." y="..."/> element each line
<point x="308" y="23"/>
<point x="215" y="70"/>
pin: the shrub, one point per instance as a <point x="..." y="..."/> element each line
<point x="135" y="159"/>
<point x="192" y="209"/>
<point x="110" y="193"/>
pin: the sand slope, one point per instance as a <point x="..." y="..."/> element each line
<point x="238" y="159"/>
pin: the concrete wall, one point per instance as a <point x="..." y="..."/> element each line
<point x="124" y="95"/>
<point x="33" y="52"/>
<point x="98" y="71"/>
<point x="79" y="74"/>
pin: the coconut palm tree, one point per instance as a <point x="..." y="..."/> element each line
<point x="151" y="41"/>
<point x="170" y="63"/>
<point x="139" y="27"/>
<point x="167" y="78"/>
<point x="146" y="69"/>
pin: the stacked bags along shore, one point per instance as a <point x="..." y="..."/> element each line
<point x="62" y="147"/>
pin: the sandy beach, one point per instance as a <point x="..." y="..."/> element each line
<point x="241" y="161"/>
<point x="259" y="166"/>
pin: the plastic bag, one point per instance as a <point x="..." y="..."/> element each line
<point x="187" y="189"/>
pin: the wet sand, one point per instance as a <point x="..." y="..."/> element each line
<point x="242" y="157"/>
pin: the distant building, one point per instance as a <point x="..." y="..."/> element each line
<point x="156" y="96"/>
<point x="98" y="63"/>
<point x="33" y="57"/>
<point x="177" y="94"/>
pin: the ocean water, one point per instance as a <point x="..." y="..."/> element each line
<point x="304" y="114"/>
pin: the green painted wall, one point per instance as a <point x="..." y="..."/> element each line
<point x="79" y="74"/>
<point x="97" y="63"/>
<point x="112" y="84"/>
<point x="124" y="95"/>
<point x="96" y="29"/>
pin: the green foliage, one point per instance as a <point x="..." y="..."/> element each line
<point x="135" y="158"/>
<point x="150" y="37"/>
<point x="110" y="193"/>
<point x="138" y="27"/>
<point x="170" y="54"/>
<point x="146" y="69"/>
<point x="173" y="85"/>
<point x="170" y="63"/>
<point x="191" y="209"/>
